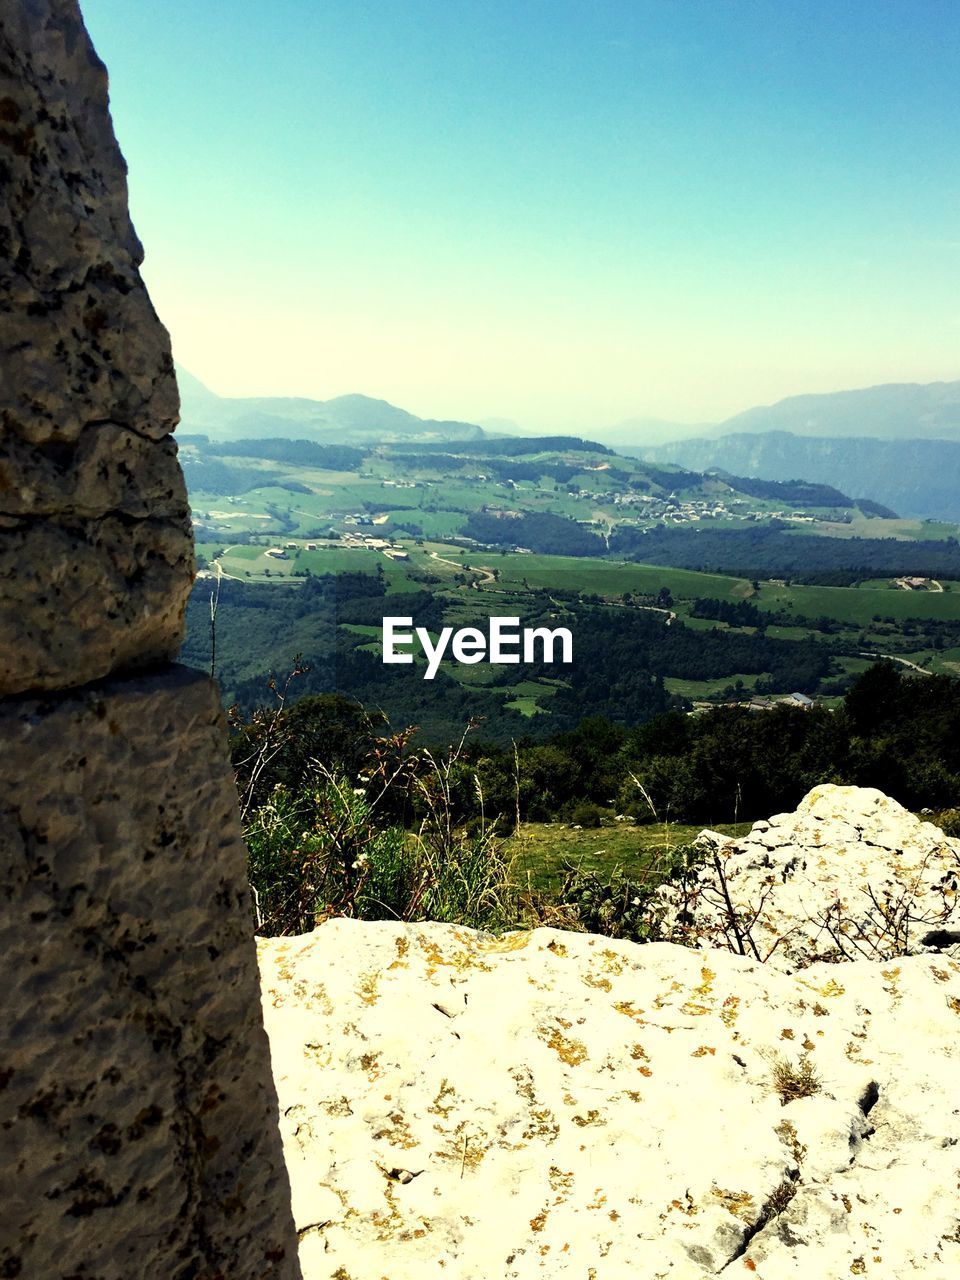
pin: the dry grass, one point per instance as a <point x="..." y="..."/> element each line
<point x="794" y="1080"/>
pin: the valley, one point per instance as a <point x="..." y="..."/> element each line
<point x="307" y="558"/>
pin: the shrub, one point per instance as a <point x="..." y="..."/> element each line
<point x="333" y="848"/>
<point x="586" y="815"/>
<point x="795" y="1080"/>
<point x="948" y="820"/>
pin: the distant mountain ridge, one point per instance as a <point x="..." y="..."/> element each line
<point x="345" y="419"/>
<point x="915" y="477"/>
<point x="894" y="410"/>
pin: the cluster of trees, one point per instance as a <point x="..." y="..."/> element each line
<point x="540" y="531"/>
<point x="769" y="550"/>
<point x="298" y="453"/>
<point x="735" y="613"/>
<point x="518" y="446"/>
<point x="210" y="475"/>
<point x="797" y="493"/>
<point x="897" y="732"/>
<point x="621" y="654"/>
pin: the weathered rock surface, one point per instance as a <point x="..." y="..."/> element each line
<point x="137" y="1113"/>
<point x="850" y="874"/>
<point x="557" y="1104"/>
<point x="138" y="1124"/>
<point x="96" y="557"/>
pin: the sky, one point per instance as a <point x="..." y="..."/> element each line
<point x="565" y="213"/>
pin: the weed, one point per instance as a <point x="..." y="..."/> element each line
<point x="795" y="1080"/>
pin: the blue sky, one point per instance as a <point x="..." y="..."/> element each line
<point x="559" y="212"/>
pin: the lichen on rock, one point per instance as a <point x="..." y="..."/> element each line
<point x="693" y="1113"/>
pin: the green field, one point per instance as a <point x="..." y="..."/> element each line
<point x="539" y="849"/>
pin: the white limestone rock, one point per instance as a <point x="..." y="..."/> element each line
<point x="851" y="874"/>
<point x="557" y="1104"/>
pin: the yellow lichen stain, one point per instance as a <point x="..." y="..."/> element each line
<point x="729" y="1011"/>
<point x="786" y="1033"/>
<point x="693" y="1010"/>
<point x="567" y="1049"/>
<point x="639" y="1054"/>
<point x="556" y="947"/>
<point x="540" y="1221"/>
<point x="831" y="989"/>
<point x="808" y="1043"/>
<point x="318" y="1054"/>
<point x="464" y="1147"/>
<point x="337" y="1107"/>
<point x="707" y="977"/>
<point x="627" y="1008"/>
<point x="858" y="1267"/>
<point x="703" y="1050"/>
<point x="738" y="1203"/>
<point x="508" y="942"/>
<point x="819" y="1011"/>
<point x="601" y="984"/>
<point x="787" y="1134"/>
<point x="953" y="1003"/>
<point x="847" y="1203"/>
<point x="941" y="975"/>
<point x="633" y="1095"/>
<point x="592" y="1117"/>
<point x="561" y="1182"/>
<point x="368" y="987"/>
<point x="664" y="998"/>
<point x="397" y="1133"/>
<point x="439" y="1107"/>
<point x="612" y="962"/>
<point x="402" y="944"/>
<point x="370" y="1062"/>
<point x="687" y="1206"/>
<point x="599" y="1199"/>
<point x="460" y="960"/>
<point x="542" y="1125"/>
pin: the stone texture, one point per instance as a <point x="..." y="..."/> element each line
<point x="850" y="874"/>
<point x="554" y="1104"/>
<point x="137" y="1112"/>
<point x="93" y="509"/>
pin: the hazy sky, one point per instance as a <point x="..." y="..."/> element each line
<point x="564" y="212"/>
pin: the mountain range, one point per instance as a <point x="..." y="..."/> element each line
<point x="914" y="477"/>
<point x="898" y="443"/>
<point x="351" y="419"/>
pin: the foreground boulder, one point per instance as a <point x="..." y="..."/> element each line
<point x="558" y="1104"/>
<point x="850" y="875"/>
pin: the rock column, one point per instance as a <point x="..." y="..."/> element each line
<point x="138" y="1125"/>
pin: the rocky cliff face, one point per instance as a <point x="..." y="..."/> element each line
<point x="137" y="1115"/>
<point x="558" y="1104"/>
<point x="96" y="556"/>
